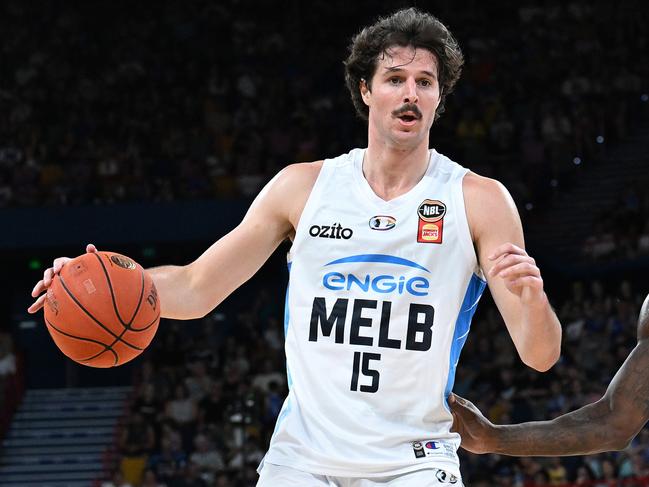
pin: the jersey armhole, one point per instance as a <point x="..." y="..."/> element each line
<point x="464" y="232"/>
<point x="309" y="208"/>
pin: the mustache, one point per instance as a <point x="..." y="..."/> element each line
<point x="408" y="107"/>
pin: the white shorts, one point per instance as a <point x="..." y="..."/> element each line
<point x="280" y="476"/>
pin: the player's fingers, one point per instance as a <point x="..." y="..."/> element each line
<point x="527" y="281"/>
<point x="508" y="261"/>
<point x="90" y="248"/>
<point x="38" y="304"/>
<point x="506" y="248"/>
<point x="47" y="277"/>
<point x="520" y="270"/>
<point x="59" y="263"/>
<point x="38" y="288"/>
<point x="454" y="428"/>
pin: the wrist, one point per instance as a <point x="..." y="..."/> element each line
<point x="495" y="440"/>
<point x="535" y="300"/>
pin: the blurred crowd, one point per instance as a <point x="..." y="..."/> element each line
<point x="11" y="384"/>
<point x="110" y="102"/>
<point x="599" y="331"/>
<point x="209" y="392"/>
<point x="621" y="232"/>
<point x="207" y="398"/>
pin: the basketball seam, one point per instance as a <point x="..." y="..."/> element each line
<point x="106" y="347"/>
<point x="112" y="293"/>
<point x="114" y="335"/>
<point x="147" y="326"/>
<point x="97" y="355"/>
<point x="119" y="338"/>
<point x="139" y="302"/>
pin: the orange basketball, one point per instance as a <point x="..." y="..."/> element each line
<point x="102" y="309"/>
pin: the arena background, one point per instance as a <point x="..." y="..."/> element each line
<point x="146" y="128"/>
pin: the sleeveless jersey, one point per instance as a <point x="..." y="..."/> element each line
<point x="378" y="307"/>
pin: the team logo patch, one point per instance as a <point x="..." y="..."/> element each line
<point x="431" y="221"/>
<point x="382" y="222"/>
<point x="418" y="448"/>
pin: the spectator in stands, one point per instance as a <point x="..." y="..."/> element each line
<point x="149" y="479"/>
<point x="168" y="465"/>
<point x="117" y="480"/>
<point x="198" y="383"/>
<point x="211" y="409"/>
<point x="147" y="405"/>
<point x="135" y="444"/>
<point x="190" y="477"/>
<point x="182" y="410"/>
<point x="206" y="458"/>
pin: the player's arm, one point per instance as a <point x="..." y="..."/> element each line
<point x="608" y="424"/>
<point x="193" y="290"/>
<point x="514" y="279"/>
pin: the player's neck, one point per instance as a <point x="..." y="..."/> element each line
<point x="392" y="171"/>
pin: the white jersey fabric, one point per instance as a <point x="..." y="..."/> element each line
<point x="379" y="304"/>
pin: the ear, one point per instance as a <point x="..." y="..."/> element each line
<point x="366" y="94"/>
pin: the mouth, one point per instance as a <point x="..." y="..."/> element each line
<point x="408" y="119"/>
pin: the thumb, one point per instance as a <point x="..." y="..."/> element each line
<point x="454" y="424"/>
<point x="90" y="248"/>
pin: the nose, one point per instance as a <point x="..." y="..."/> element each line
<point x="410" y="91"/>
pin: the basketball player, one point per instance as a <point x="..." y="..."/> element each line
<point x="608" y="424"/>
<point x="391" y="246"/>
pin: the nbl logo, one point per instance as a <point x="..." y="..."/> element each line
<point x="432" y="210"/>
<point x="431" y="221"/>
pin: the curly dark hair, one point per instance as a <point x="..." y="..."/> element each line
<point x="406" y="28"/>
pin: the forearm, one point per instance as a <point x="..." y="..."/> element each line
<point x="584" y="431"/>
<point x="175" y="294"/>
<point x="540" y="334"/>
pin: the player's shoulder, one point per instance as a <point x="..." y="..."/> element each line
<point x="488" y="204"/>
<point x="299" y="176"/>
<point x="482" y="189"/>
<point x="302" y="170"/>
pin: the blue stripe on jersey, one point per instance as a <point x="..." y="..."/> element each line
<point x="462" y="325"/>
<point x="286" y="408"/>
<point x="287" y="317"/>
<point x="389" y="259"/>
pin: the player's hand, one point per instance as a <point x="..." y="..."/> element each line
<point x="519" y="272"/>
<point x="476" y="431"/>
<point x="42" y="286"/>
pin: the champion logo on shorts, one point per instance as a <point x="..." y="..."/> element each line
<point x="433" y="448"/>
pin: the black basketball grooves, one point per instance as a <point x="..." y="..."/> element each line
<point x="127" y="326"/>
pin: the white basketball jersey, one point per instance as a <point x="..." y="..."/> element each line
<point x="378" y="307"/>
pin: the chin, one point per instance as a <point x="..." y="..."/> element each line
<point x="409" y="138"/>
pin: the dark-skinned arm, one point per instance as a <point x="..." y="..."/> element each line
<point x="607" y="424"/>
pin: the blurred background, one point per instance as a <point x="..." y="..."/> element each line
<point x="147" y="127"/>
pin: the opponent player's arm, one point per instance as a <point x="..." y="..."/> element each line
<point x="514" y="279"/>
<point x="608" y="424"/>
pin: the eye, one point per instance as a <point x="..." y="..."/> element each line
<point x="425" y="83"/>
<point x="394" y="80"/>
